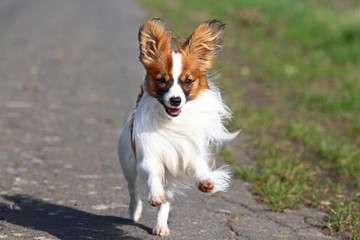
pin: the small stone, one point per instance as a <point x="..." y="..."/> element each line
<point x="100" y="207"/>
<point x="43" y="238"/>
<point x="89" y="176"/>
<point x="19" y="104"/>
<point x="38" y="161"/>
<point x="17" y="189"/>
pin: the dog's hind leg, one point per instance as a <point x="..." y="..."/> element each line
<point x="128" y="165"/>
<point x="135" y="205"/>
<point x="161" y="228"/>
<point x="131" y="176"/>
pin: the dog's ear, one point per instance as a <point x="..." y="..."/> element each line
<point x="154" y="41"/>
<point x="204" y="44"/>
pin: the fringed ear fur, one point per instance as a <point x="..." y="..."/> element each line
<point x="204" y="44"/>
<point x="154" y="42"/>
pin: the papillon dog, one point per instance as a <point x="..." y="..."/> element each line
<point x="179" y="120"/>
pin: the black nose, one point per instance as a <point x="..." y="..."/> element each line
<point x="175" y="101"/>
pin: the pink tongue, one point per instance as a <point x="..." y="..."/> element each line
<point x="174" y="111"/>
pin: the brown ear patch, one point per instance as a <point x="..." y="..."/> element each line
<point x="155" y="53"/>
<point x="204" y="44"/>
<point x="154" y="42"/>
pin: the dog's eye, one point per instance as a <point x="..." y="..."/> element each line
<point x="161" y="80"/>
<point x="188" y="82"/>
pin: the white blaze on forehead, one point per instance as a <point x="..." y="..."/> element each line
<point x="175" y="90"/>
<point x="177" y="65"/>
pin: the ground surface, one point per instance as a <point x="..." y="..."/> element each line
<point x="68" y="74"/>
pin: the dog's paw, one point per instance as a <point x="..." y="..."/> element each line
<point x="206" y="185"/>
<point x="161" y="231"/>
<point x="156" y="200"/>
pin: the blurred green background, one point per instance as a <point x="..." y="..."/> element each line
<point x="291" y="75"/>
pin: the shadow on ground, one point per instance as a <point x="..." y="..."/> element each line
<point x="61" y="221"/>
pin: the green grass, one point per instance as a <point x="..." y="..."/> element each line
<point x="291" y="76"/>
<point x="345" y="216"/>
<point x="227" y="155"/>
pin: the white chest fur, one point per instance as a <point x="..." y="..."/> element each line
<point x="175" y="142"/>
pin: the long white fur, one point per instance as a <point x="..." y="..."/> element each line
<point x="172" y="143"/>
<point x="170" y="150"/>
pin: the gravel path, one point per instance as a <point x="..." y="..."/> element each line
<point x="69" y="74"/>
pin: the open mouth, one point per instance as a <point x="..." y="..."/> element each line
<point x="174" y="112"/>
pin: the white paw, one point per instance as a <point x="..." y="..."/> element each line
<point x="156" y="199"/>
<point x="135" y="211"/>
<point x="161" y="231"/>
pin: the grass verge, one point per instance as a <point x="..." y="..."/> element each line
<point x="291" y="77"/>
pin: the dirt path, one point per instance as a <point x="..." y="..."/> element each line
<point x="68" y="76"/>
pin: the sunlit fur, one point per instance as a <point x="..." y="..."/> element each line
<point x="202" y="46"/>
<point x="171" y="152"/>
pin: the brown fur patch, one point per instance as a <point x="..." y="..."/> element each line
<point x="203" y="45"/>
<point x="198" y="52"/>
<point x="160" y="68"/>
<point x="199" y="78"/>
<point x="132" y="140"/>
<point x="154" y="41"/>
<point x="155" y="53"/>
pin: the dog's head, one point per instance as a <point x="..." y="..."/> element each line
<point x="174" y="77"/>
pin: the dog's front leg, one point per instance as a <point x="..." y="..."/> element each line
<point x="161" y="228"/>
<point x="154" y="174"/>
<point x="200" y="172"/>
